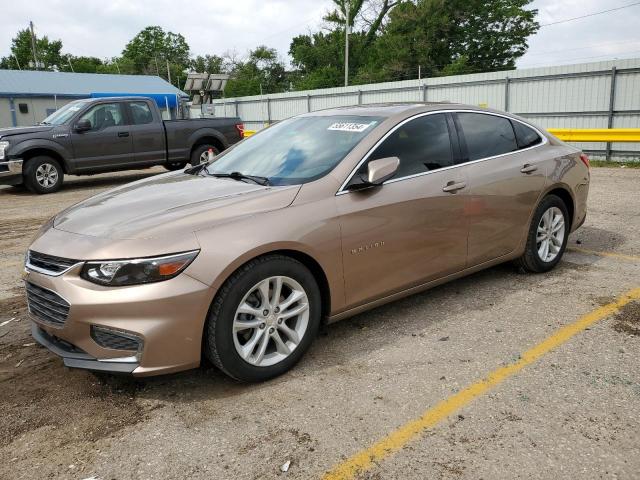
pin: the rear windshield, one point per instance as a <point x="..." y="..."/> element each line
<point x="297" y="150"/>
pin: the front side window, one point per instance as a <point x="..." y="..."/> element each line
<point x="297" y="150"/>
<point x="104" y="115"/>
<point x="140" y="113"/>
<point x="525" y="136"/>
<point x="487" y="135"/>
<point x="421" y="145"/>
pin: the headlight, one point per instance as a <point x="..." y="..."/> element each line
<point x="4" y="145"/>
<point x="136" y="271"/>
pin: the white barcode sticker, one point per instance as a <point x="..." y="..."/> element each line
<point x="350" y="127"/>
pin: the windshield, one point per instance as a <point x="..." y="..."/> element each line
<point x="63" y="114"/>
<point x="297" y="150"/>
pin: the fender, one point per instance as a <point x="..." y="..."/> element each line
<point x="206" y="132"/>
<point x="18" y="150"/>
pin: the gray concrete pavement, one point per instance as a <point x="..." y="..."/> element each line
<point x="573" y="414"/>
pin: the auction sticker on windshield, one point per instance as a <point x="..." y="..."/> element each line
<point x="350" y="127"/>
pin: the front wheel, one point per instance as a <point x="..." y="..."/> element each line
<point x="547" y="237"/>
<point x="175" y="166"/>
<point x="263" y="319"/>
<point x="43" y="175"/>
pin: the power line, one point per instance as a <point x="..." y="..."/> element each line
<point x="589" y="15"/>
<point x="626" y="42"/>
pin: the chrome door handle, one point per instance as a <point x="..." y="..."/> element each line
<point x="527" y="168"/>
<point x="452" y="187"/>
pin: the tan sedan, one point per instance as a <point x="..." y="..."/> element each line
<point x="312" y="220"/>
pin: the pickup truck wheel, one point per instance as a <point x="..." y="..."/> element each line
<point x="200" y="154"/>
<point x="175" y="165"/>
<point x="43" y="175"/>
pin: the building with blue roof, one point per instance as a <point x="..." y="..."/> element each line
<point x="27" y="96"/>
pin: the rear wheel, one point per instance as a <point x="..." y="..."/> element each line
<point x="200" y="154"/>
<point x="263" y="319"/>
<point x="43" y="175"/>
<point x="547" y="237"/>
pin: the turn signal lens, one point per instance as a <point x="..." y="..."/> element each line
<point x="136" y="271"/>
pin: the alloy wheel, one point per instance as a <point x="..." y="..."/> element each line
<point x="270" y="321"/>
<point x="46" y="175"/>
<point x="550" y="234"/>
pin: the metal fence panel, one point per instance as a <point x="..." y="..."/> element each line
<point x="589" y="95"/>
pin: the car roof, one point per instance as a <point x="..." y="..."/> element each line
<point x="392" y="109"/>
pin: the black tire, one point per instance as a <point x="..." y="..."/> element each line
<point x="175" y="166"/>
<point x="531" y="260"/>
<point x="31" y="172"/>
<point x="199" y="150"/>
<point x="219" y="345"/>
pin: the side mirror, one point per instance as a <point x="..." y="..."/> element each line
<point x="381" y="170"/>
<point x="82" y="125"/>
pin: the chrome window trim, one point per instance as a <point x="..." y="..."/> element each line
<point x="545" y="140"/>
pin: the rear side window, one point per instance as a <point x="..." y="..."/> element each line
<point x="525" y="136"/>
<point x="421" y="145"/>
<point x="487" y="135"/>
<point x="140" y="113"/>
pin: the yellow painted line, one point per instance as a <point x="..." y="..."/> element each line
<point x="597" y="134"/>
<point x="621" y="256"/>
<point x="366" y="459"/>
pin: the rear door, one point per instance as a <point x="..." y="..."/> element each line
<point x="409" y="230"/>
<point x="108" y="143"/>
<point x="506" y="177"/>
<point x="147" y="133"/>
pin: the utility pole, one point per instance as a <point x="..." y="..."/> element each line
<point x="419" y="72"/>
<point x="69" y="60"/>
<point x="117" y="66"/>
<point x="346" y="45"/>
<point x="16" y="59"/>
<point x="33" y="45"/>
<point x="168" y="71"/>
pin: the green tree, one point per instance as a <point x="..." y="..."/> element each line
<point x="151" y="49"/>
<point x="48" y="53"/>
<point x="262" y="72"/>
<point x="208" y="63"/>
<point x="80" y="64"/>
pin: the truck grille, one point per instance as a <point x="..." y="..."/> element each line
<point x="46" y="305"/>
<point x="48" y="264"/>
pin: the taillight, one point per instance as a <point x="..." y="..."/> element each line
<point x="585" y="159"/>
<point x="240" y="128"/>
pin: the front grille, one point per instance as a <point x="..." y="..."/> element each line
<point x="115" y="339"/>
<point x="46" y="305"/>
<point x="48" y="263"/>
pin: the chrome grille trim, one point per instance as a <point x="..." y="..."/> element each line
<point x="46" y="305"/>
<point x="49" y="264"/>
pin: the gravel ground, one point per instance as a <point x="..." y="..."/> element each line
<point x="573" y="414"/>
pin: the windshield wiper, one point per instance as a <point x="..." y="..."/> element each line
<point x="241" y="177"/>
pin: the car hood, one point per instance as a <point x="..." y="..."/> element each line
<point x="7" y="132"/>
<point x="173" y="203"/>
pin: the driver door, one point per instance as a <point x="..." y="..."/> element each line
<point x="108" y="143"/>
<point x="408" y="231"/>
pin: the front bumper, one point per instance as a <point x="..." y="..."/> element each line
<point x="168" y="317"/>
<point x="74" y="357"/>
<point x="11" y="172"/>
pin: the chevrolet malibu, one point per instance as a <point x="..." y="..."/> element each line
<point x="320" y="217"/>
